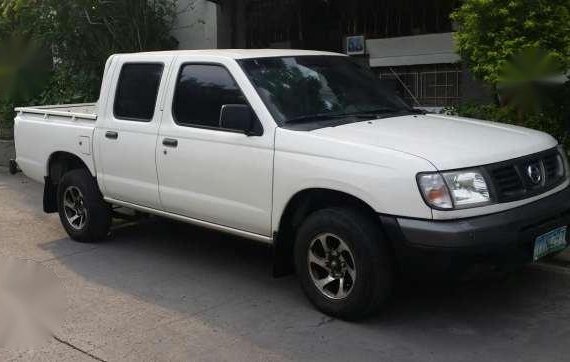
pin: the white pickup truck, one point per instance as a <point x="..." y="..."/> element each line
<point x="306" y="151"/>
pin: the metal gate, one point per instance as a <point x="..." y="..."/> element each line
<point x="429" y="88"/>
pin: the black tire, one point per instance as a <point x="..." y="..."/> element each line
<point x="372" y="260"/>
<point x="98" y="212"/>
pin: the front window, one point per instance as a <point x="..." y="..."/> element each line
<point x="321" y="88"/>
<point x="201" y="91"/>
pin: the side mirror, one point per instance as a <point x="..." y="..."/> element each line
<point x="239" y="117"/>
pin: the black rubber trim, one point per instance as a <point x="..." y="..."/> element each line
<point x="170" y="142"/>
<point x="50" y="196"/>
<point x="112" y="135"/>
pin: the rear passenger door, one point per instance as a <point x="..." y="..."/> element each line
<point x="207" y="172"/>
<point x="128" y="132"/>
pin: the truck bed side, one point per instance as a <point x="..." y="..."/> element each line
<point x="40" y="132"/>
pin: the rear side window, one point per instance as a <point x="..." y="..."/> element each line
<point x="201" y="91"/>
<point x="137" y="90"/>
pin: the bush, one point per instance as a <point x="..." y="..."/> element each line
<point x="489" y="112"/>
<point x="493" y="31"/>
<point x="553" y="118"/>
<point x="69" y="41"/>
<point x="517" y="47"/>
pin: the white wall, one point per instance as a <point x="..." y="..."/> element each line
<point x="195" y="25"/>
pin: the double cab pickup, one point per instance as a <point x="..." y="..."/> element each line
<point x="308" y="152"/>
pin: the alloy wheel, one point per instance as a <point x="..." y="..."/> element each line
<point x="74" y="208"/>
<point x="331" y="266"/>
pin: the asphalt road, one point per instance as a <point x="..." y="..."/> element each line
<point x="160" y="290"/>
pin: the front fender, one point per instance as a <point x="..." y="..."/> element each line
<point x="386" y="189"/>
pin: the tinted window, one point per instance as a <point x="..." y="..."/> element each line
<point x="137" y="90"/>
<point x="201" y="91"/>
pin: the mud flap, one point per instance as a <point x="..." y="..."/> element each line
<point x="50" y="196"/>
<point x="282" y="257"/>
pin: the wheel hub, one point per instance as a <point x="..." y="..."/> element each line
<point x="331" y="265"/>
<point x="74" y="207"/>
<point x="337" y="267"/>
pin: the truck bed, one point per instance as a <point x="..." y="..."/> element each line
<point x="85" y="111"/>
<point x="40" y="132"/>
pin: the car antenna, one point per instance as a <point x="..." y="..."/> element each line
<point x="405" y="87"/>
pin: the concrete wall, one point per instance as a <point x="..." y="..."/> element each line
<point x="224" y="25"/>
<point x="412" y="50"/>
<point x="7" y="152"/>
<point x="232" y="25"/>
<point x="195" y="25"/>
<point x="423" y="50"/>
<point x="202" y="24"/>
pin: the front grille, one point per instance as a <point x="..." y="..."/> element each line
<point x="527" y="176"/>
<point x="552" y="166"/>
<point x="507" y="181"/>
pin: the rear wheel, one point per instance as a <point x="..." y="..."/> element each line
<point x="343" y="263"/>
<point x="83" y="213"/>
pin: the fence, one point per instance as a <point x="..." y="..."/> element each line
<point x="438" y="88"/>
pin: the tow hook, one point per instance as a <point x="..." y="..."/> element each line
<point x="13" y="167"/>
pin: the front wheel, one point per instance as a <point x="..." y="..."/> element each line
<point x="343" y="263"/>
<point x="83" y="213"/>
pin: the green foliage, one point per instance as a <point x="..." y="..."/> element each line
<point x="492" y="32"/>
<point x="25" y="65"/>
<point x="69" y="41"/>
<point x="522" y="80"/>
<point x="489" y="112"/>
<point x="522" y="49"/>
<point x="553" y="118"/>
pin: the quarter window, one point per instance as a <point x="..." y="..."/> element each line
<point x="201" y="91"/>
<point x="137" y="90"/>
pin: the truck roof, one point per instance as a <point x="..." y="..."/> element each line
<point x="238" y="53"/>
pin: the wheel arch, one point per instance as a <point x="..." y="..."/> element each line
<point x="66" y="160"/>
<point x="58" y="164"/>
<point x="299" y="206"/>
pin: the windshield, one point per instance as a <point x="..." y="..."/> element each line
<point x="309" y="88"/>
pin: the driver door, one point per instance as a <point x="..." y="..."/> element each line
<point x="207" y="172"/>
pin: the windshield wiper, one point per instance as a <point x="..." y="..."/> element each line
<point x="319" y="116"/>
<point x="373" y="114"/>
<point x="387" y="112"/>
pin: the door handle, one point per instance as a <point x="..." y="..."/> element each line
<point x="170" y="142"/>
<point x="112" y="135"/>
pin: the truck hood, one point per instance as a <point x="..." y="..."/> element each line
<point x="447" y="142"/>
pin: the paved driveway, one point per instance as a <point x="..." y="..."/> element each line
<point x="159" y="290"/>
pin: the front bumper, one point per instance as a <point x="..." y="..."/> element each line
<point x="504" y="239"/>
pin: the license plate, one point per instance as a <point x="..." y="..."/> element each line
<point x="550" y="242"/>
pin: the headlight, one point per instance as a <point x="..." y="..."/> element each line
<point x="435" y="191"/>
<point x="455" y="189"/>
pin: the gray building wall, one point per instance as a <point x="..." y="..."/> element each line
<point x="429" y="68"/>
<point x="196" y="25"/>
<point x="203" y="24"/>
